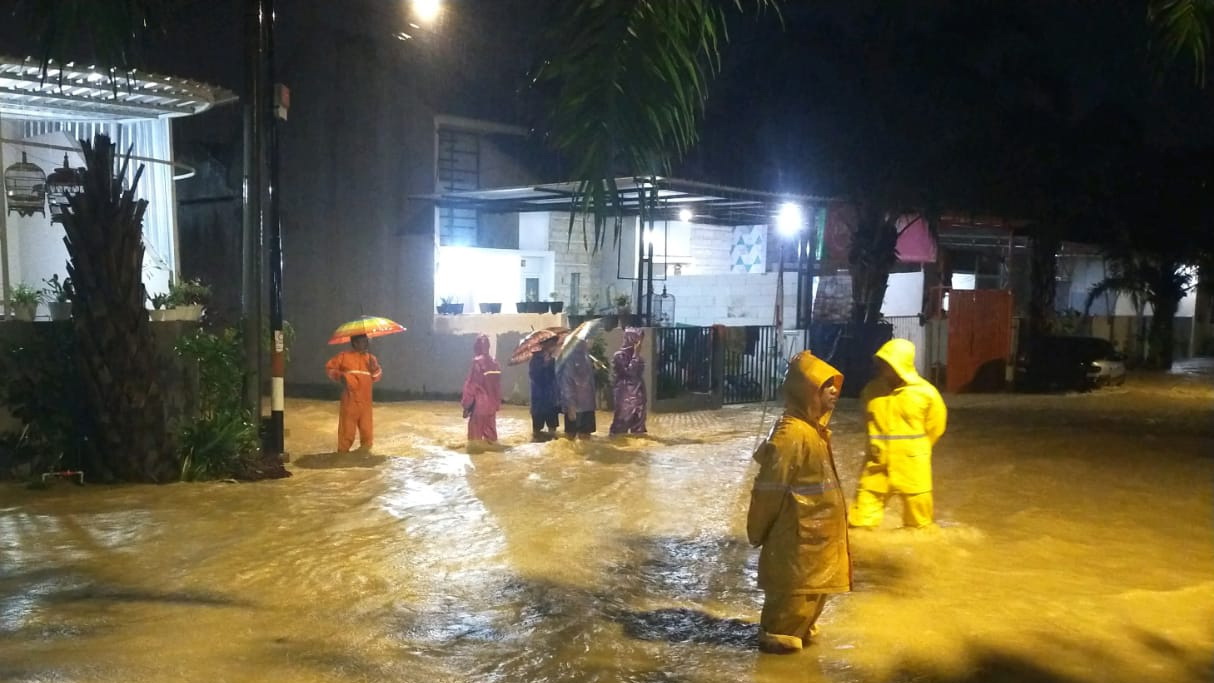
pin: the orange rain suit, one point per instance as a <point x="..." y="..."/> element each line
<point x="357" y="370"/>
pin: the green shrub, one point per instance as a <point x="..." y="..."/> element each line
<point x="41" y="389"/>
<point x="222" y="441"/>
<point x="186" y="293"/>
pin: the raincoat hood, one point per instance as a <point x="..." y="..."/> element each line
<point x="900" y="355"/>
<point x="481" y="346"/>
<point x="806" y="375"/>
<point x="632" y="337"/>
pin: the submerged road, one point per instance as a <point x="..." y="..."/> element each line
<point x="1076" y="544"/>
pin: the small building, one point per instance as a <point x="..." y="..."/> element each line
<point x="43" y="116"/>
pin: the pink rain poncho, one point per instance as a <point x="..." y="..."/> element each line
<point x="630" y="401"/>
<point x="482" y="395"/>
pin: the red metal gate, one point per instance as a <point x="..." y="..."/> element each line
<point x="979" y="340"/>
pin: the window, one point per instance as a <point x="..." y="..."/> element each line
<point x="459" y="161"/>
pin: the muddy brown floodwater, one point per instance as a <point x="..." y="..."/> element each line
<point x="1075" y="544"/>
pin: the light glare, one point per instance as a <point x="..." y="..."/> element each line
<point x="790" y="219"/>
<point x="685" y="215"/>
<point x="427" y="10"/>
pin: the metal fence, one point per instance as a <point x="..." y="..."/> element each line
<point x="683" y="361"/>
<point x="752" y="361"/>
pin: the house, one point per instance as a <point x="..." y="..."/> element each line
<point x="42" y="121"/>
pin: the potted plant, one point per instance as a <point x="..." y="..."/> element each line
<point x="160" y="307"/>
<point x="623" y="305"/>
<point x="491" y="308"/>
<point x="532" y="306"/>
<point x="58" y="297"/>
<point x="187" y="298"/>
<point x="24" y="301"/>
<point x="449" y="307"/>
<point x="555" y="306"/>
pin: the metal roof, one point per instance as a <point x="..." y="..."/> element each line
<point x="70" y="91"/>
<point x="712" y="204"/>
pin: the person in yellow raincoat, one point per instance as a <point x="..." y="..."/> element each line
<point x="906" y="417"/>
<point x="798" y="512"/>
<point x="356" y="370"/>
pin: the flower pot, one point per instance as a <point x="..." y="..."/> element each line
<point x="491" y="308"/>
<point x="159" y="315"/>
<point x="24" y="312"/>
<point x="609" y="322"/>
<point x="190" y="312"/>
<point x="450" y="309"/>
<point x="532" y="306"/>
<point x="556" y="306"/>
<point x="60" y="310"/>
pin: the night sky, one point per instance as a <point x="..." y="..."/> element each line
<point x="804" y="99"/>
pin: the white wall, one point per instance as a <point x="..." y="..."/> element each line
<point x="1086" y="272"/>
<point x="474" y="276"/>
<point x="35" y="245"/>
<point x="903" y="295"/>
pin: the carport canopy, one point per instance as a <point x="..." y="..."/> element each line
<point x="708" y="203"/>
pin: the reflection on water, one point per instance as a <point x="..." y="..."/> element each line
<point x="1074" y="545"/>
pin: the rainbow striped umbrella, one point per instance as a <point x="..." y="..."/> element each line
<point x="369" y="325"/>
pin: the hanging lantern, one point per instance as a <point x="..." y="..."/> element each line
<point x="663" y="309"/>
<point x="25" y="188"/>
<point x="63" y="183"/>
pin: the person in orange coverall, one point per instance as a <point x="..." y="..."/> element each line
<point x="356" y="370"/>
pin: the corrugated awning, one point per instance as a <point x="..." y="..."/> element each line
<point x="71" y="91"/>
<point x="711" y="204"/>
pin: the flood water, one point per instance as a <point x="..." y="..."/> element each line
<point x="1076" y="543"/>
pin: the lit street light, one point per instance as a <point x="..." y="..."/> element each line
<point x="427" y="11"/>
<point x="790" y="219"/>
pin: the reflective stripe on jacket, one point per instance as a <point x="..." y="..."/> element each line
<point x="797" y="508"/>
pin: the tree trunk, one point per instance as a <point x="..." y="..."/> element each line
<point x="873" y="253"/>
<point x="1043" y="273"/>
<point x="1161" y="337"/>
<point x="115" y="348"/>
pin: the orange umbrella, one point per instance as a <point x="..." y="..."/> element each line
<point x="371" y="326"/>
<point x="531" y="344"/>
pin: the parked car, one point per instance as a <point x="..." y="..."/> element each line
<point x="1069" y="363"/>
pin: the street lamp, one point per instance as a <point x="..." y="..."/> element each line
<point x="790" y="219"/>
<point x="427" y="11"/>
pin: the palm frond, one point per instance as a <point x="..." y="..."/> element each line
<point x="627" y="82"/>
<point x="1183" y="27"/>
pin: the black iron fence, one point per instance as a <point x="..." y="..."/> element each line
<point x="754" y="364"/>
<point x="683" y="360"/>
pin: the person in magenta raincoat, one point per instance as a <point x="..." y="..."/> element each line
<point x="482" y="396"/>
<point x="575" y="379"/>
<point x="629" y="392"/>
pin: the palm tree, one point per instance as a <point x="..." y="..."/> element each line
<point x="1160" y="281"/>
<point x="115" y="348"/>
<point x="1183" y="28"/>
<point x="625" y="86"/>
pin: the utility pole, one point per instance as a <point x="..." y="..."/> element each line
<point x="251" y="237"/>
<point x="280" y="102"/>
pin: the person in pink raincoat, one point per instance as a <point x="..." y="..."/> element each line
<point x="629" y="390"/>
<point x="482" y="395"/>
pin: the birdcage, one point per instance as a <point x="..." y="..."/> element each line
<point x="25" y="188"/>
<point x="63" y="183"/>
<point x="663" y="309"/>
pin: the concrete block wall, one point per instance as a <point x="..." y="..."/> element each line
<point x="710" y="249"/>
<point x="731" y="298"/>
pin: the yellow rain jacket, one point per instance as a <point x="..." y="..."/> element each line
<point x="797" y="508"/>
<point x="904" y="422"/>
